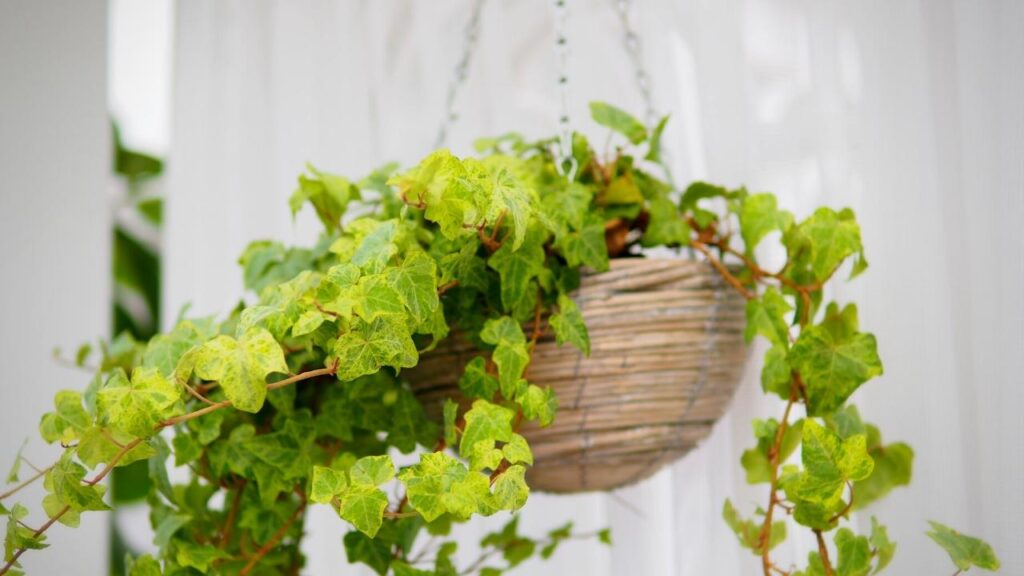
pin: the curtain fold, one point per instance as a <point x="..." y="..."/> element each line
<point x="908" y="111"/>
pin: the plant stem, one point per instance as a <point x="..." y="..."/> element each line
<point x="722" y="270"/>
<point x="34" y="477"/>
<point x="823" y="553"/>
<point x="270" y="544"/>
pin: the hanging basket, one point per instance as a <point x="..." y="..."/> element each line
<point x="667" y="352"/>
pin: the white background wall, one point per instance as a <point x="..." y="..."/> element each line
<point x="54" y="234"/>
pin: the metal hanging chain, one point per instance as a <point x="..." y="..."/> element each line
<point x="470" y="37"/>
<point x="631" y="41"/>
<point x="563" y="156"/>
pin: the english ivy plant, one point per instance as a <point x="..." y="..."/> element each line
<point x="297" y="397"/>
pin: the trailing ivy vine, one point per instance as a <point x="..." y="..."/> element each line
<point x="297" y="397"/>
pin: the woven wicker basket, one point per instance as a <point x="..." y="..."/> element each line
<point x="667" y="352"/>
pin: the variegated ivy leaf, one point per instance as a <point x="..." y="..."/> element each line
<point x="367" y="347"/>
<point x="965" y="551"/>
<point x="510" y="489"/>
<point x="241" y="366"/>
<point x="760" y="216"/>
<point x="834" y="360"/>
<point x="136" y="406"/>
<point x="518" y="267"/>
<point x="569" y="326"/>
<point x="415" y="281"/>
<point x="488" y="423"/>
<point x="68" y="421"/>
<point x="65" y="481"/>
<point x="329" y="195"/>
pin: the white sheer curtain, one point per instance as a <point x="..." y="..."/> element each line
<point x="908" y="111"/>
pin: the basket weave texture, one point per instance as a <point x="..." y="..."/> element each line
<point x="667" y="352"/>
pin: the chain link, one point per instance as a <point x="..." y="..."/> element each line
<point x="470" y="37"/>
<point x="631" y="41"/>
<point x="564" y="154"/>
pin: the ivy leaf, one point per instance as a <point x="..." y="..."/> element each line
<point x="144" y="565"/>
<point x="12" y="474"/>
<point x="776" y="374"/>
<point x="164" y="351"/>
<point x="965" y="551"/>
<point x="465" y="267"/>
<point x="885" y="548"/>
<point x="377" y="247"/>
<point x="475" y="382"/>
<point x="569" y="326"/>
<point x="135" y="407"/>
<point x="415" y="280"/>
<point x="329" y="195"/>
<point x="241" y="366"/>
<point x="538" y="404"/>
<point x="759" y="215"/>
<point x="766" y="316"/>
<point x="486" y="422"/>
<point x="510" y="489"/>
<point x="654" y="143"/>
<point x="749" y="532"/>
<point x="619" y="121"/>
<point x="824" y="240"/>
<point x="19" y="536"/>
<point x="100" y="445"/>
<point x="372" y="470"/>
<point x="829" y="463"/>
<point x="441" y="484"/>
<point x="326" y="484"/>
<point x="516" y="268"/>
<point x="197" y="556"/>
<point x="484" y="456"/>
<point x="586" y="247"/>
<point x="756" y="460"/>
<point x="517" y="451"/>
<point x="377" y="298"/>
<point x="373" y="553"/>
<point x="833" y="365"/>
<point x="363" y="506"/>
<point x="65" y="481"/>
<point x="512" y="360"/>
<point x="622" y="190"/>
<point x="854" y="553"/>
<point x="369" y="346"/>
<point x="308" y="321"/>
<point x="511" y="198"/>
<point x="503" y="329"/>
<point x="893" y="467"/>
<point x="666" y="226"/>
<point x="68" y="421"/>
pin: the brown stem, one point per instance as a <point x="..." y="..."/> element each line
<point x="446" y="287"/>
<point x="34" y="477"/>
<point x="764" y="538"/>
<point x="270" y="544"/>
<point x="722" y="270"/>
<point x="229" y="522"/>
<point x="226" y="403"/>
<point x="823" y="553"/>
